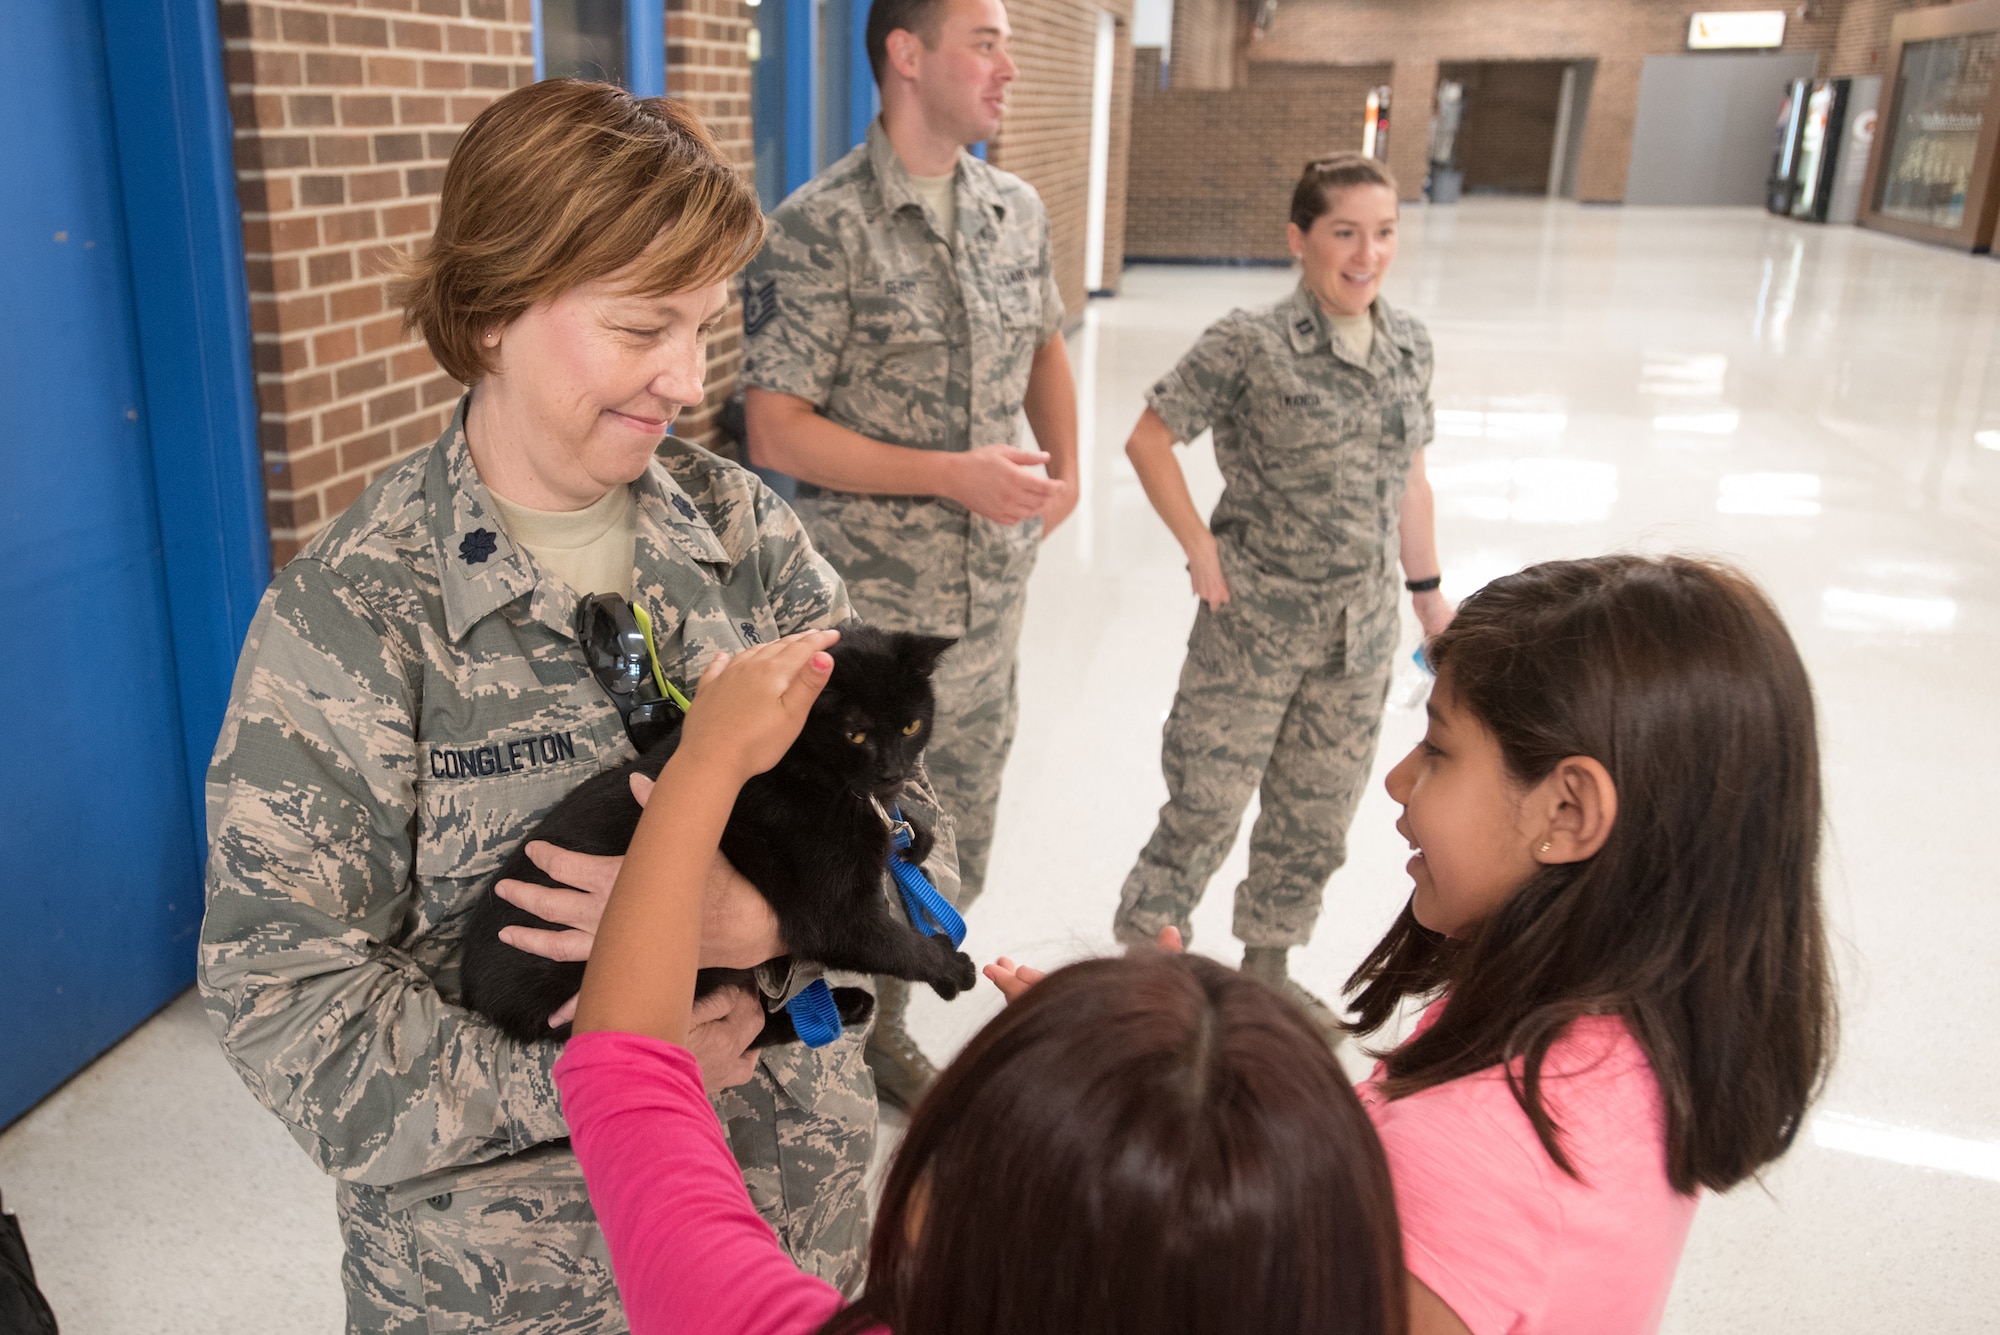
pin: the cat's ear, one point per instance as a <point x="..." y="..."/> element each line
<point x="921" y="652"/>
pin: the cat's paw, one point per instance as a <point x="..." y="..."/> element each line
<point x="922" y="841"/>
<point x="958" y="976"/>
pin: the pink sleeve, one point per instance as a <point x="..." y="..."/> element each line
<point x="1478" y="1218"/>
<point x="687" y="1249"/>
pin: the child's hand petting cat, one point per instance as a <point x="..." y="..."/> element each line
<point x="749" y="706"/>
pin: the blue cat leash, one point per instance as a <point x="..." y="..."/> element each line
<point x="814" y="1014"/>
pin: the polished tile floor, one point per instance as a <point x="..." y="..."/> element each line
<point x="1821" y="405"/>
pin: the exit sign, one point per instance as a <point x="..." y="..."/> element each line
<point x="1737" y="30"/>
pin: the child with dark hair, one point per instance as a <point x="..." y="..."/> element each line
<point x="1616" y="818"/>
<point x="1154" y="1144"/>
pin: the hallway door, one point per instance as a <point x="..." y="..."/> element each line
<point x="100" y="835"/>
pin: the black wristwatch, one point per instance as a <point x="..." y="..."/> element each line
<point x="1423" y="585"/>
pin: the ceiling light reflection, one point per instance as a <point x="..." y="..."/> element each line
<point x="1789" y="494"/>
<point x="1907" y="1145"/>
<point x="1527" y="491"/>
<point x="1500" y="423"/>
<point x="1986" y="440"/>
<point x="1720" y="423"/>
<point x="1851" y="609"/>
<point x="1697" y="377"/>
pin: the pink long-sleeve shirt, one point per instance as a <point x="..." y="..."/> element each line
<point x="688" y="1250"/>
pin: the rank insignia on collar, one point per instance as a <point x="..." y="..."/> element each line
<point x="477" y="545"/>
<point x="1304" y="325"/>
<point x="687" y="510"/>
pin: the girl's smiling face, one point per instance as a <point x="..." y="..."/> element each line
<point x="1474" y="827"/>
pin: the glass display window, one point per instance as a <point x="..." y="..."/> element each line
<point x="1932" y="176"/>
<point x="583" y="39"/>
<point x="1941" y="95"/>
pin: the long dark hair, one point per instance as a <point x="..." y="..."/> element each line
<point x="1698" y="921"/>
<point x="1152" y="1144"/>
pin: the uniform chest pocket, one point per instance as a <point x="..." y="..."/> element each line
<point x="1305" y="435"/>
<point x="489" y="797"/>
<point x="898" y="313"/>
<point x="1019" y="304"/>
<point x="1403" y="428"/>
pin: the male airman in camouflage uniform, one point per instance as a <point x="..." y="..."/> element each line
<point x="409" y="703"/>
<point x="1284" y="683"/>
<point x="890" y="345"/>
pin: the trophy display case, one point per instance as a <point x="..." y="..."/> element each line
<point x="1932" y="176"/>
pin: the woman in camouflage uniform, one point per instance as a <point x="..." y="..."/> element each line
<point x="411" y="700"/>
<point x="1321" y="409"/>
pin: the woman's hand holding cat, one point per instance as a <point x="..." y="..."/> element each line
<point x="738" y="928"/>
<point x="723" y="1026"/>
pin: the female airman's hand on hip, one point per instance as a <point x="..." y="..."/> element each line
<point x="1204" y="564"/>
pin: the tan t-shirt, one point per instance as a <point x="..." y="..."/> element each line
<point x="591" y="549"/>
<point x="1356" y="333"/>
<point x="941" y="193"/>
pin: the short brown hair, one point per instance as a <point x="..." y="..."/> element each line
<point x="886" y="16"/>
<point x="1324" y="177"/>
<point x="563" y="182"/>
<point x="1148" y="1144"/>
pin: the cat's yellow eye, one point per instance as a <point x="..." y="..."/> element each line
<point x="911" y="731"/>
<point x="857" y="737"/>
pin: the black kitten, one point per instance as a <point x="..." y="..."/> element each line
<point x="808" y="834"/>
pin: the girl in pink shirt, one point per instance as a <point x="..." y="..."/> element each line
<point x="1153" y="1144"/>
<point x="1616" y="816"/>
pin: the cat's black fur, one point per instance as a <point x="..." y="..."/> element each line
<point x="806" y="834"/>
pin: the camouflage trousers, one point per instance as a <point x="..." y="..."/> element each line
<point x="978" y="706"/>
<point x="978" y="703"/>
<point x="1265" y="704"/>
<point x="513" y="1248"/>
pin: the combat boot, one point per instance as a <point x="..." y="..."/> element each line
<point x="902" y="1071"/>
<point x="1267" y="965"/>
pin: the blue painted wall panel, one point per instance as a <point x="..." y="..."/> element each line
<point x="192" y="303"/>
<point x="646" y="47"/>
<point x="124" y="369"/>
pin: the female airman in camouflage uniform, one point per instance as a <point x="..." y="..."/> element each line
<point x="1321" y="409"/>
<point x="411" y="700"/>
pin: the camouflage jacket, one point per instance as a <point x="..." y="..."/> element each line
<point x="860" y="305"/>
<point x="409" y="702"/>
<point x="1314" y="449"/>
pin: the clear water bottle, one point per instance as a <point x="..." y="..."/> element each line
<point x="1410" y="686"/>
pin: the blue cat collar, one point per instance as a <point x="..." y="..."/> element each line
<point x="814" y="1015"/>
<point x="930" y="912"/>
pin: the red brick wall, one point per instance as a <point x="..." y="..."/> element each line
<point x="708" y="64"/>
<point x="1862" y="43"/>
<point x="1207" y="40"/>
<point x="344" y="117"/>
<point x="1509" y="130"/>
<point x="1212" y="170"/>
<point x="1045" y="139"/>
<point x="345" y="113"/>
<point x="1618" y="34"/>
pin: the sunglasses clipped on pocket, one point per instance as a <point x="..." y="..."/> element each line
<point x="617" y="640"/>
